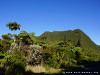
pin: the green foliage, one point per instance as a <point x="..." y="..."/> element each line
<point x="59" y="57"/>
<point x="92" y="55"/>
<point x="13" y="26"/>
<point x="59" y="49"/>
<point x="26" y="38"/>
<point x="78" y="53"/>
<point x="76" y="38"/>
<point x="1" y="47"/>
<point x="17" y="58"/>
<point x="79" y="49"/>
<point x="5" y="45"/>
<point x="14" y="63"/>
<point x="6" y="36"/>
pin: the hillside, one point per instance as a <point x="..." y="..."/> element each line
<point x="76" y="37"/>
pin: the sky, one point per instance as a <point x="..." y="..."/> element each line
<point x="52" y="15"/>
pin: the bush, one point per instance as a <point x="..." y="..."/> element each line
<point x="34" y="55"/>
<point x="60" y="57"/>
<point x="15" y="63"/>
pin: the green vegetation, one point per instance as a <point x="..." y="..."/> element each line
<point x="75" y="38"/>
<point x="52" y="52"/>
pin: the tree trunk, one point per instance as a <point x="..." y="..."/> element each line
<point x="41" y="61"/>
<point x="20" y="45"/>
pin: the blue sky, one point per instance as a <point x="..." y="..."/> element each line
<point x="52" y="15"/>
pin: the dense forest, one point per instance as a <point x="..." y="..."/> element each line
<point x="52" y="53"/>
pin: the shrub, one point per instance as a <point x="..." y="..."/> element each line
<point x="60" y="57"/>
<point x="15" y="63"/>
<point x="34" y="54"/>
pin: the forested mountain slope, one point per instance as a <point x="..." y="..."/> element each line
<point x="76" y="37"/>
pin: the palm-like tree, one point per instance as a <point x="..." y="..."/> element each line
<point x="13" y="26"/>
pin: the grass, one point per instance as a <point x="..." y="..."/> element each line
<point x="41" y="69"/>
<point x="35" y="69"/>
<point x="51" y="70"/>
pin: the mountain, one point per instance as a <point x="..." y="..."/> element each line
<point x="76" y="37"/>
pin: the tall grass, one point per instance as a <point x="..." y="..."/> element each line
<point x="41" y="69"/>
<point x="36" y="69"/>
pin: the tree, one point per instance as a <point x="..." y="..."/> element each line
<point x="43" y="38"/>
<point x="13" y="26"/>
<point x="25" y="37"/>
<point x="32" y="33"/>
<point x="6" y="37"/>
